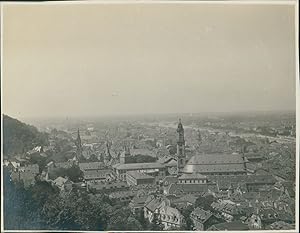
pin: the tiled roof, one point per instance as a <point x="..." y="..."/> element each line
<point x="59" y="181"/>
<point x="153" y="204"/>
<point x="139" y="175"/>
<point x="138" y="201"/>
<point x="201" y="215"/>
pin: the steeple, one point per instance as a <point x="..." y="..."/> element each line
<point x="125" y="155"/>
<point x="78" y="146"/>
<point x="180" y="132"/>
<point x="181" y="159"/>
<point x="107" y="156"/>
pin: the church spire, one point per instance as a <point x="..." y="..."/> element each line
<point x="181" y="159"/>
<point x="180" y="132"/>
<point x="78" y="146"/>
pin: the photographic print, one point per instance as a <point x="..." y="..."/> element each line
<point x="149" y="116"/>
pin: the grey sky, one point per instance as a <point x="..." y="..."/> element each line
<point x="76" y="60"/>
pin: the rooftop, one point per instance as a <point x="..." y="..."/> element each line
<point x="139" y="175"/>
<point x="201" y="215"/>
<point x="138" y="166"/>
<point x="192" y="176"/>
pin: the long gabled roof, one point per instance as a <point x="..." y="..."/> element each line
<point x="138" y="166"/>
<point x="215" y="163"/>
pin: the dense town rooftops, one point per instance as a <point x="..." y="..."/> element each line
<point x="179" y="189"/>
<point x="242" y="179"/>
<point x="201" y="215"/>
<point x="138" y="201"/>
<point x="138" y="166"/>
<point x="153" y="204"/>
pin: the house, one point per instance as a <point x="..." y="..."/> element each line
<point x="160" y="207"/>
<point x="254" y="222"/>
<point x="137" y="178"/>
<point x="152" y="206"/>
<point x="268" y="216"/>
<point x="137" y="204"/>
<point x="227" y="209"/>
<point x="97" y="175"/>
<point x="183" y="201"/>
<point x="64" y="184"/>
<point x="170" y="217"/>
<point x="203" y="219"/>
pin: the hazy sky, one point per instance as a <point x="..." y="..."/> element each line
<point x="77" y="60"/>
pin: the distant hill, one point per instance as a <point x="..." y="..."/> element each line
<point x="19" y="137"/>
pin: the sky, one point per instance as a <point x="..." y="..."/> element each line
<point x="113" y="59"/>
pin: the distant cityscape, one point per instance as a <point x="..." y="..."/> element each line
<point x="212" y="173"/>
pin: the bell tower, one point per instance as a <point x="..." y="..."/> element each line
<point x="181" y="159"/>
<point x="78" y="146"/>
<point x="125" y="155"/>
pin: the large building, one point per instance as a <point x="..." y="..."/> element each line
<point x="216" y="164"/>
<point x="153" y="169"/>
<point x="137" y="178"/>
<point x="208" y="164"/>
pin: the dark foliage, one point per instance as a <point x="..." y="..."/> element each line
<point x="205" y="202"/>
<point x="19" y="137"/>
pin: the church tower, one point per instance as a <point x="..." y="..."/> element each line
<point x="125" y="155"/>
<point x="78" y="146"/>
<point x="107" y="156"/>
<point x="181" y="159"/>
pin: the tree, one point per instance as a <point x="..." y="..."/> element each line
<point x="205" y="202"/>
<point x="123" y="219"/>
<point x="188" y="223"/>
